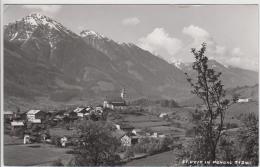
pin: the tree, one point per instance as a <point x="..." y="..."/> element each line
<point x="97" y="145"/>
<point x="248" y="139"/>
<point x="209" y="88"/>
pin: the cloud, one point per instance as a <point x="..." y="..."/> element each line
<point x="221" y="50"/>
<point x="159" y="42"/>
<point x="215" y="51"/>
<point x="237" y="52"/>
<point x="131" y="21"/>
<point x="45" y="8"/>
<point x="195" y="32"/>
<point x="235" y="57"/>
<point x="80" y="28"/>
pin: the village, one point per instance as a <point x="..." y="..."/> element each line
<point x="58" y="128"/>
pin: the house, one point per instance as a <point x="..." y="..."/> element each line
<point x="71" y="115"/>
<point x="17" y="124"/>
<point x="80" y="111"/>
<point x="58" y="117"/>
<point x="67" y="113"/>
<point x="126" y="140"/>
<point x="123" y="137"/>
<point x="136" y="139"/>
<point x="99" y="110"/>
<point x="88" y="108"/>
<point x="246" y="100"/>
<point x="36" y="121"/>
<point x="163" y="115"/>
<point x="63" y="141"/>
<point x="8" y="115"/>
<point x="137" y="131"/>
<point x="117" y="126"/>
<point x="35" y="114"/>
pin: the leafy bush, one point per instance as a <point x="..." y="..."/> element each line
<point x="190" y="132"/>
<point x="129" y="153"/>
<point x="57" y="163"/>
<point x="227" y="149"/>
<point x="231" y="125"/>
<point x="19" y="132"/>
<point x="55" y="140"/>
<point x="248" y="139"/>
<point x="153" y="145"/>
<point x="97" y="144"/>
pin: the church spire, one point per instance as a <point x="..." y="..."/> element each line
<point x="123" y="93"/>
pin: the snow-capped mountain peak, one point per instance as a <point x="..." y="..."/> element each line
<point x="36" y="19"/>
<point x="22" y="29"/>
<point x="178" y="64"/>
<point x="91" y="33"/>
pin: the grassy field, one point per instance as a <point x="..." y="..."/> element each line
<point x="176" y="124"/>
<point x="163" y="159"/>
<point x="9" y="140"/>
<point x="33" y="154"/>
<point x="62" y="132"/>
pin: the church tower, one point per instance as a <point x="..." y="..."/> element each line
<point x="123" y="93"/>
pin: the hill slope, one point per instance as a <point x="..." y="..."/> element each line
<point x="44" y="61"/>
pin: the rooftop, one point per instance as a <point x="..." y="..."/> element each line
<point x="17" y="123"/>
<point x="32" y="112"/>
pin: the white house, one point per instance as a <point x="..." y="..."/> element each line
<point x="17" y="123"/>
<point x="244" y="100"/>
<point x="123" y="137"/>
<point x="126" y="140"/>
<point x="35" y="114"/>
<point x="117" y="126"/>
<point x="162" y="115"/>
<point x="63" y="141"/>
<point x="36" y="121"/>
<point x="80" y="114"/>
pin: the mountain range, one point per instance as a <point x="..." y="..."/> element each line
<point x="46" y="63"/>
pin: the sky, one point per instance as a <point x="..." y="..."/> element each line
<point x="168" y="31"/>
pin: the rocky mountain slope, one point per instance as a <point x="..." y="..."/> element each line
<point x="231" y="76"/>
<point x="44" y="61"/>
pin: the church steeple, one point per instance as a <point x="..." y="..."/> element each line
<point x="123" y="93"/>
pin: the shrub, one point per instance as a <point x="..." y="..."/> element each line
<point x="231" y="125"/>
<point x="55" y="140"/>
<point x="57" y="163"/>
<point x="248" y="139"/>
<point x="190" y="132"/>
<point x="129" y="153"/>
<point x="19" y="132"/>
<point x="151" y="146"/>
<point x="97" y="144"/>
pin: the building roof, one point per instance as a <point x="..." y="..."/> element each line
<point x="126" y="126"/>
<point x="118" y="134"/>
<point x="36" y="121"/>
<point x="17" y="123"/>
<point x="78" y="109"/>
<point x="115" y="99"/>
<point x="33" y="112"/>
<point x="8" y="112"/>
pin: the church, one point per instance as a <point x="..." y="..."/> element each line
<point x="116" y="102"/>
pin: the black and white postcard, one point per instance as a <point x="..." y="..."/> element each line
<point x="129" y="84"/>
